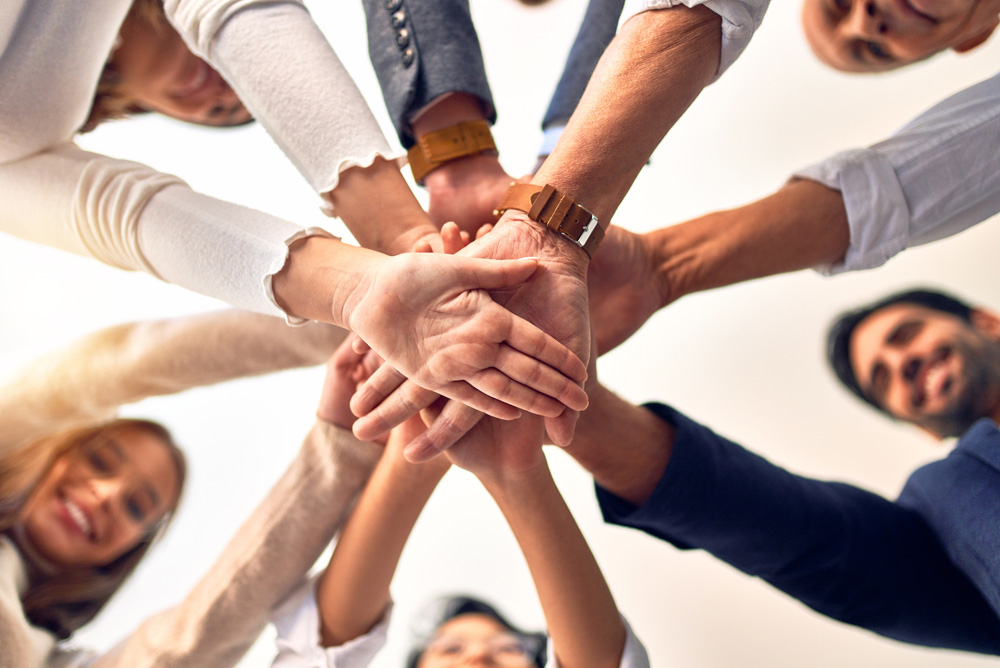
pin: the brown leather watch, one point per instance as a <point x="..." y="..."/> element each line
<point x="559" y="213"/>
<point x="441" y="146"/>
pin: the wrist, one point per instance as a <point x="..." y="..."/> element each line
<point x="542" y="241"/>
<point x="516" y="484"/>
<point x="557" y="212"/>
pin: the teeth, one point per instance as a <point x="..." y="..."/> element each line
<point x="78" y="517"/>
<point x="934" y="377"/>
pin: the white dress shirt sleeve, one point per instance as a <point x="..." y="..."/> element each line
<point x="934" y="178"/>
<point x="299" y="646"/>
<point x="740" y="19"/>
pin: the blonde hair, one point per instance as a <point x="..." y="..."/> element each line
<point x="63" y="603"/>
<point x="110" y="102"/>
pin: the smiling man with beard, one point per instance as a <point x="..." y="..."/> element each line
<point x="923" y="569"/>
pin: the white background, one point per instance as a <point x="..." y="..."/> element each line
<point x="746" y="360"/>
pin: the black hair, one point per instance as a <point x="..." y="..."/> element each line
<point x="838" y="342"/>
<point x="446" y="608"/>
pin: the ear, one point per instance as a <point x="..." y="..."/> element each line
<point x="973" y="42"/>
<point x="987" y="322"/>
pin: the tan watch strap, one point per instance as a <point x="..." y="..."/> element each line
<point x="556" y="211"/>
<point x="436" y="148"/>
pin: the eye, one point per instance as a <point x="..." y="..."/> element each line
<point x="136" y="510"/>
<point x="100" y="462"/>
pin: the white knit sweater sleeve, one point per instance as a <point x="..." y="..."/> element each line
<point x="87" y="381"/>
<point x="132" y="217"/>
<point x="222" y="616"/>
<point x="288" y="75"/>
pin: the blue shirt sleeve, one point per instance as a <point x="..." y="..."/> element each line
<point x="845" y="552"/>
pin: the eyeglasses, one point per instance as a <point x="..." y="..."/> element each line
<point x="505" y="650"/>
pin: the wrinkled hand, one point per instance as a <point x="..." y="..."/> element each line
<point x="555" y="299"/>
<point x="430" y="317"/>
<point x="623" y="288"/>
<point x="466" y="191"/>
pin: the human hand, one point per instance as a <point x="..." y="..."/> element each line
<point x="466" y="191"/>
<point x="555" y="298"/>
<point x="346" y="369"/>
<point x="623" y="287"/>
<point x="431" y="317"/>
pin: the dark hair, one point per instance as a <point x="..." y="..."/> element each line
<point x="838" y="342"/>
<point x="446" y="608"/>
<point x="63" y="603"/>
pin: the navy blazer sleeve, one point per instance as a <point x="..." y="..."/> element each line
<point x="422" y="49"/>
<point x="845" y="552"/>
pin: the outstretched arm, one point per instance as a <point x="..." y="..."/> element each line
<point x="222" y="616"/>
<point x="354" y="591"/>
<point x="932" y="179"/>
<point x="845" y="552"/>
<point x="580" y="612"/>
<point x="88" y="380"/>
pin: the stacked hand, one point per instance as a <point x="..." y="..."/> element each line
<point x="430" y="316"/>
<point x="555" y="298"/>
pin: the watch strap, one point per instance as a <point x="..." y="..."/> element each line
<point x="556" y="211"/>
<point x="457" y="141"/>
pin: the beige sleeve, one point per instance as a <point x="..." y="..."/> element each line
<point x="21" y="644"/>
<point x="222" y="616"/>
<point x="88" y="380"/>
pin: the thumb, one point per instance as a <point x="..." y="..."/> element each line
<point x="497" y="274"/>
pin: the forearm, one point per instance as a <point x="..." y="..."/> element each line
<point x="354" y="590"/>
<point x="287" y="74"/>
<point x="845" y="552"/>
<point x="802" y="225"/>
<point x="222" y="616"/>
<point x="580" y="612"/>
<point x="379" y="208"/>
<point x="625" y="447"/>
<point x="88" y="380"/>
<point x="654" y="68"/>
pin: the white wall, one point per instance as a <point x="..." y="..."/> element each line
<point x="746" y="360"/>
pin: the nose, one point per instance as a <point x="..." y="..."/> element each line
<point x="910" y="368"/>
<point x="867" y="20"/>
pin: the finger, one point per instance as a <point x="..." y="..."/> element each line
<point x="423" y="247"/>
<point x="359" y="346"/>
<point x="408" y="400"/>
<point x="465" y="239"/>
<point x="562" y="428"/>
<point x="524" y="382"/>
<point x="451" y="238"/>
<point x="481" y="401"/>
<point x="533" y="342"/>
<point x="454" y="422"/>
<point x="484" y="230"/>
<point x="476" y="273"/>
<point x="374" y="391"/>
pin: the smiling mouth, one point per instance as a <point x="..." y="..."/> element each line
<point x="933" y="378"/>
<point x="79" y="518"/>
